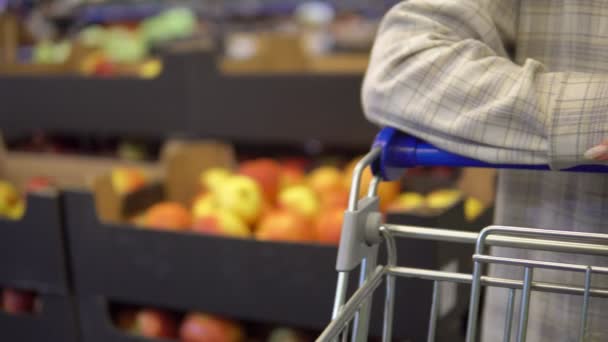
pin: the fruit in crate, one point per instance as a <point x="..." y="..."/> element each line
<point x="285" y="335"/>
<point x="125" y="320"/>
<point x="204" y="204"/>
<point x="325" y="179"/>
<point x="212" y="179"/>
<point x="168" y="216"/>
<point x="126" y="180"/>
<point x="337" y="198"/>
<point x="124" y="46"/>
<point x="300" y="199"/>
<point x="221" y="222"/>
<point x="11" y="203"/>
<point x="17" y="211"/>
<point x="473" y="208"/>
<point x="408" y="202"/>
<point x="284" y="225"/>
<point x="387" y="191"/>
<point x="242" y="196"/>
<point x="171" y="24"/>
<point x="92" y="36"/>
<point x="443" y="199"/>
<point x="39" y="183"/>
<point x="329" y="226"/>
<point x="290" y="175"/>
<point x="152" y="323"/>
<point x="198" y="327"/>
<point x="18" y="302"/>
<point x="267" y="173"/>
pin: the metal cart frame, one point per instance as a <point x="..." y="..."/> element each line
<point x="363" y="232"/>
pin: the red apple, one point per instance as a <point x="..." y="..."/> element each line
<point x="297" y="163"/>
<point x="17" y="301"/>
<point x="267" y="173"/>
<point x="335" y="198"/>
<point x="155" y="323"/>
<point x="284" y="225"/>
<point x="125" y="320"/>
<point x="39" y="183"/>
<point x="168" y="216"/>
<point x="329" y="226"/>
<point x="291" y="176"/>
<point x="198" y="327"/>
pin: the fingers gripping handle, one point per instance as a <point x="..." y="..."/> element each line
<point x="399" y="151"/>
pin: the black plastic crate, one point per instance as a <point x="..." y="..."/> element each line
<point x="56" y="321"/>
<point x="33" y="249"/>
<point x="33" y="254"/>
<point x="283" y="283"/>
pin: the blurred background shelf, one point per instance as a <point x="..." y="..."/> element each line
<point x="191" y="97"/>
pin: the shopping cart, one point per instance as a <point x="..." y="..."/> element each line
<point x="391" y="154"/>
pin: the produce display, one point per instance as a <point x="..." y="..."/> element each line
<point x="198" y="327"/>
<point x="262" y="199"/>
<point x="18" y="302"/>
<point x="109" y="40"/>
<point x="267" y="200"/>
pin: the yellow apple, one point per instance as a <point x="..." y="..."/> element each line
<point x="16" y="211"/>
<point x="242" y="196"/>
<point x="325" y="178"/>
<point x="126" y="180"/>
<point x="222" y="222"/>
<point x="9" y="197"/>
<point x="212" y="179"/>
<point x="407" y="201"/>
<point x="442" y="199"/>
<point x="473" y="208"/>
<point x="300" y="199"/>
<point x="204" y="204"/>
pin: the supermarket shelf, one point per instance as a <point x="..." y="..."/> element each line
<point x="193" y="97"/>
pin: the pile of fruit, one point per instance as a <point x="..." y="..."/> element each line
<point x="195" y="327"/>
<point x="18" y="302"/>
<point x="119" y="49"/>
<point x="267" y="200"/>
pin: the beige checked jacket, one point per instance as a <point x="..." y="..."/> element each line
<point x="512" y="82"/>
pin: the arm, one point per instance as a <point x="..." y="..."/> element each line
<point x="440" y="70"/>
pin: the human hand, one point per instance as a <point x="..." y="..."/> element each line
<point x="598" y="152"/>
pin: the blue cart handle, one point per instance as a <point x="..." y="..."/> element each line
<point x="399" y="151"/>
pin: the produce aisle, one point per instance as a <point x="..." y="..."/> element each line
<point x="180" y="170"/>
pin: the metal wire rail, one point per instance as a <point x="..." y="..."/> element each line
<point x="363" y="232"/>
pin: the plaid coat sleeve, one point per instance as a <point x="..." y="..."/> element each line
<point x="441" y="70"/>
